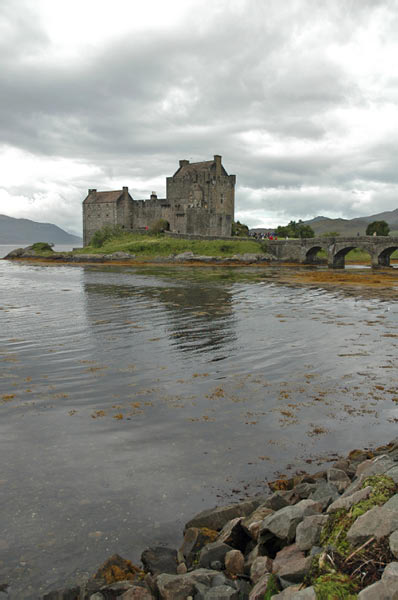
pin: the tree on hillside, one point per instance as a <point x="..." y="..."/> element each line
<point x="380" y="227"/>
<point x="295" y="230"/>
<point x="239" y="229"/>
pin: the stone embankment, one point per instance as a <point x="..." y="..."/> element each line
<point x="125" y="257"/>
<point x="331" y="534"/>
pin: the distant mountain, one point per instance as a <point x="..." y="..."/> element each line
<point x="349" y="227"/>
<point x="315" y="219"/>
<point x="346" y="227"/>
<point x="24" y="231"/>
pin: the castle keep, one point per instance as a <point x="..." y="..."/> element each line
<point x="200" y="199"/>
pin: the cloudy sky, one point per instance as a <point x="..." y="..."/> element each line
<point x="298" y="96"/>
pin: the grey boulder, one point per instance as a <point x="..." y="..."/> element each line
<point x="325" y="493"/>
<point x="159" y="559"/>
<point x="283" y="523"/>
<point x="377" y="522"/>
<point x="214" y="552"/>
<point x="348" y="501"/>
<point x="216" y="518"/>
<point x="338" y="478"/>
<point x="309" y="530"/>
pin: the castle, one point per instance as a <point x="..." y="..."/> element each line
<point x="200" y="199"/>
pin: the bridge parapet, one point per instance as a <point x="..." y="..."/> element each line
<point x="305" y="250"/>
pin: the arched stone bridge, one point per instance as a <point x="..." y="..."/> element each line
<point x="305" y="250"/>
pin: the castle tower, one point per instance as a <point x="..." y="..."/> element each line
<point x="105" y="208"/>
<point x="202" y="198"/>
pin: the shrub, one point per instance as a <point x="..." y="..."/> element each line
<point x="295" y="230"/>
<point x="106" y="233"/>
<point x="378" y="227"/>
<point x="160" y="226"/>
<point x="239" y="229"/>
<point x="264" y="246"/>
<point x="42" y="247"/>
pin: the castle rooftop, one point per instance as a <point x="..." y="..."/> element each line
<point x="112" y="196"/>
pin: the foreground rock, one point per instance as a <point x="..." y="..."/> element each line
<point x="333" y="534"/>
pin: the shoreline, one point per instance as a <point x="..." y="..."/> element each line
<point x="382" y="280"/>
<point x="125" y="259"/>
<point x="304" y="538"/>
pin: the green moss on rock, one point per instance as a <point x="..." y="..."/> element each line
<point x="334" y="532"/>
<point x="325" y="573"/>
<point x="335" y="586"/>
<point x="383" y="489"/>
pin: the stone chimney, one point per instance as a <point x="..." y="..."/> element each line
<point x="91" y="192"/>
<point x="217" y="160"/>
<point x="154" y="196"/>
<point x="183" y="163"/>
<point x="125" y="191"/>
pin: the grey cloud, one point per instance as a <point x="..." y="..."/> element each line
<point x="137" y="105"/>
<point x="121" y="89"/>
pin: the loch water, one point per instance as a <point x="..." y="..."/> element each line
<point x="132" y="398"/>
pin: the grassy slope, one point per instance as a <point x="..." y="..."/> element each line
<point x="160" y="245"/>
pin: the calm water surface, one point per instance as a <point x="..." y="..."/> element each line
<point x="132" y="398"/>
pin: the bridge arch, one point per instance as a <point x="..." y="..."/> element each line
<point x="383" y="258"/>
<point x="311" y="254"/>
<point x="337" y="257"/>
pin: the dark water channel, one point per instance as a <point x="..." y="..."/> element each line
<point x="132" y="398"/>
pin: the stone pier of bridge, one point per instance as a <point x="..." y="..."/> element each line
<point x="305" y="250"/>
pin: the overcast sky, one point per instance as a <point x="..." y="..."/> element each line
<point x="298" y="96"/>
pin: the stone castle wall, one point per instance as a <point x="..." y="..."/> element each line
<point x="96" y="216"/>
<point x="200" y="200"/>
<point x="195" y="236"/>
<point x="144" y="213"/>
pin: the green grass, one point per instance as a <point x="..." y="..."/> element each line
<point x="42" y="248"/>
<point x="147" y="246"/>
<point x="272" y="588"/>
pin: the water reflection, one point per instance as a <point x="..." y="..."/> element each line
<point x="194" y="318"/>
<point x="132" y="398"/>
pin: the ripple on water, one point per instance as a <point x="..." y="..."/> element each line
<point x="133" y="398"/>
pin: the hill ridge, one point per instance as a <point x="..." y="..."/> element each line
<point x="346" y="227"/>
<point x="25" y="231"/>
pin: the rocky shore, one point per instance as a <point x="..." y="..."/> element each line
<point x="330" y="534"/>
<point x="125" y="257"/>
